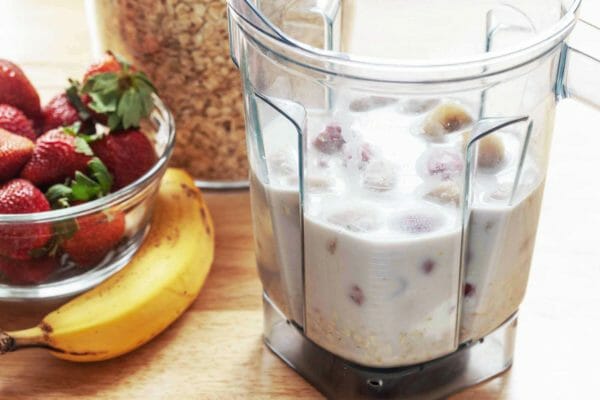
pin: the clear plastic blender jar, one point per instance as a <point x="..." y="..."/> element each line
<point x="398" y="154"/>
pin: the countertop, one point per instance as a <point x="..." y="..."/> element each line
<point x="215" y="350"/>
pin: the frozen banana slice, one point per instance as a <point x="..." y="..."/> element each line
<point x="447" y="192"/>
<point x="446" y="118"/>
<point x="356" y="220"/>
<point x="418" y="106"/>
<point x="491" y="153"/>
<point x="379" y="176"/>
<point x="369" y="103"/>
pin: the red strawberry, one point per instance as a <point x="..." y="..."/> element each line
<point x="13" y="120"/>
<point x="17" y="91"/>
<point x="55" y="158"/>
<point x="108" y="63"/>
<point x="19" y="196"/>
<point x="128" y="155"/>
<point x="59" y="112"/>
<point x="96" y="235"/>
<point x="15" y="151"/>
<point x="27" y="272"/>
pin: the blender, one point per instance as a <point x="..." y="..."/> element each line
<point x="398" y="153"/>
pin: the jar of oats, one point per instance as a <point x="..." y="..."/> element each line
<point x="183" y="47"/>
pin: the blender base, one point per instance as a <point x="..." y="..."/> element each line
<point x="337" y="378"/>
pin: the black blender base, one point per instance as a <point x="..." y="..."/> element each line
<point x="339" y="379"/>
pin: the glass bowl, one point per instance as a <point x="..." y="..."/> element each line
<point x="127" y="212"/>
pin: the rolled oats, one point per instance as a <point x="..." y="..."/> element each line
<point x="183" y="46"/>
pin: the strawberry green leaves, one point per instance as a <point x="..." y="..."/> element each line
<point x="82" y="140"/>
<point x="81" y="146"/>
<point x="125" y="97"/>
<point x="82" y="187"/>
<point x="73" y="94"/>
<point x="101" y="175"/>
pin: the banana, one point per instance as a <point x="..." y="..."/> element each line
<point x="140" y="301"/>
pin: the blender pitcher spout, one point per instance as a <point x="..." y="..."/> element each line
<point x="579" y="72"/>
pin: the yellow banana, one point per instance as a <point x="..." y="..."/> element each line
<point x="146" y="296"/>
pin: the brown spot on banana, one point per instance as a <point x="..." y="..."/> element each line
<point x="190" y="192"/>
<point x="46" y="330"/>
<point x="46" y="327"/>
<point x="75" y="353"/>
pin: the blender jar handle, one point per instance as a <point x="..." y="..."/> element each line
<point x="579" y="69"/>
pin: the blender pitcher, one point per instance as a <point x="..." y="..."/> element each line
<point x="398" y="155"/>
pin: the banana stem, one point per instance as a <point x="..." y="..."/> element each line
<point x="12" y="341"/>
<point x="7" y="343"/>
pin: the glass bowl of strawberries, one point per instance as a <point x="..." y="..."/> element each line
<point x="78" y="177"/>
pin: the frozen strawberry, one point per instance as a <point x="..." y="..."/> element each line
<point x="469" y="290"/>
<point x="418" y="222"/>
<point x="445" y="164"/>
<point x="357" y="295"/>
<point x="17" y="91"/>
<point x="56" y="156"/>
<point x="15" y="151"/>
<point x="330" y="141"/>
<point x="27" y="272"/>
<point x="13" y="120"/>
<point x="96" y="235"/>
<point x="428" y="266"/>
<point x="108" y="63"/>
<point x="59" y="112"/>
<point x="19" y="196"/>
<point x="128" y="155"/>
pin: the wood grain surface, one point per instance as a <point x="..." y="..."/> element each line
<point x="215" y="350"/>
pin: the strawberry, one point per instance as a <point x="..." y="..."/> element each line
<point x="59" y="112"/>
<point x="82" y="188"/>
<point x="19" y="196"/>
<point x="27" y="272"/>
<point x="128" y="155"/>
<point x="96" y="235"/>
<point x="17" y="91"/>
<point x="15" y="151"/>
<point x="119" y="95"/>
<point x="56" y="156"/>
<point x="13" y="120"/>
<point x="108" y="63"/>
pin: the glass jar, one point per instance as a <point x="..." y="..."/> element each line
<point x="183" y="47"/>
